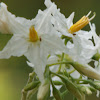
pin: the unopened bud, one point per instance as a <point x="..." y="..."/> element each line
<point x="43" y="90"/>
<point x="72" y="87"/>
<point x="31" y="93"/>
<point x="95" y="84"/>
<point x="85" y="90"/>
<point x="92" y="89"/>
<point x="31" y="85"/>
<point x="57" y="83"/>
<point x="86" y="70"/>
<point x="56" y="93"/>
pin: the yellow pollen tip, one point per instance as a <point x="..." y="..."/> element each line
<point x="81" y="23"/>
<point x="33" y="34"/>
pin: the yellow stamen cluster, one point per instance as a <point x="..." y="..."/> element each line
<point x="33" y="34"/>
<point x="81" y="23"/>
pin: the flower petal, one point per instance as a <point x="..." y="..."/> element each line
<point x="52" y="44"/>
<point x="30" y="64"/>
<point x="9" y="23"/>
<point x="82" y="48"/>
<point x="43" y="20"/>
<point x="33" y="55"/>
<point x="16" y="46"/>
<point x="70" y="20"/>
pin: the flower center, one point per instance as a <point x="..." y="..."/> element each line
<point x="33" y="34"/>
<point x="81" y="23"/>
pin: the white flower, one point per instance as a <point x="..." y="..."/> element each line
<point x="60" y="22"/>
<point x="50" y="60"/>
<point x="82" y="48"/>
<point x="8" y="22"/>
<point x="84" y="45"/>
<point x="34" y="38"/>
<point x="95" y="37"/>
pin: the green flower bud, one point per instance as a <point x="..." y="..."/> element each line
<point x="86" y="70"/>
<point x="57" y="83"/>
<point x="31" y="85"/>
<point x="85" y="90"/>
<point x="92" y="89"/>
<point x="72" y="87"/>
<point x="43" y="90"/>
<point x="95" y="84"/>
<point x="31" y="75"/>
<point x="31" y="93"/>
<point x="56" y="93"/>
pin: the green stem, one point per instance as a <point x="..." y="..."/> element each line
<point x="84" y="81"/>
<point x="60" y="64"/>
<point x="71" y="71"/>
<point x="67" y="62"/>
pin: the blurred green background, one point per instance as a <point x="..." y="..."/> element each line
<point x="14" y="71"/>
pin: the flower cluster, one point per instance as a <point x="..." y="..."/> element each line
<point x="59" y="52"/>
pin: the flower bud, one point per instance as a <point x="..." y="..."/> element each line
<point x="31" y="85"/>
<point x="56" y="93"/>
<point x="85" y="90"/>
<point x="72" y="88"/>
<point x="43" y="90"/>
<point x="86" y="70"/>
<point x="57" y="82"/>
<point x="31" y="93"/>
<point x="95" y="84"/>
<point x="92" y="89"/>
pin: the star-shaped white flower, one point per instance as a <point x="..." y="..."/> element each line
<point x="34" y="38"/>
<point x="84" y="45"/>
<point x="82" y="49"/>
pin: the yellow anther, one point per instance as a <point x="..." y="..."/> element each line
<point x="81" y="23"/>
<point x="33" y="34"/>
